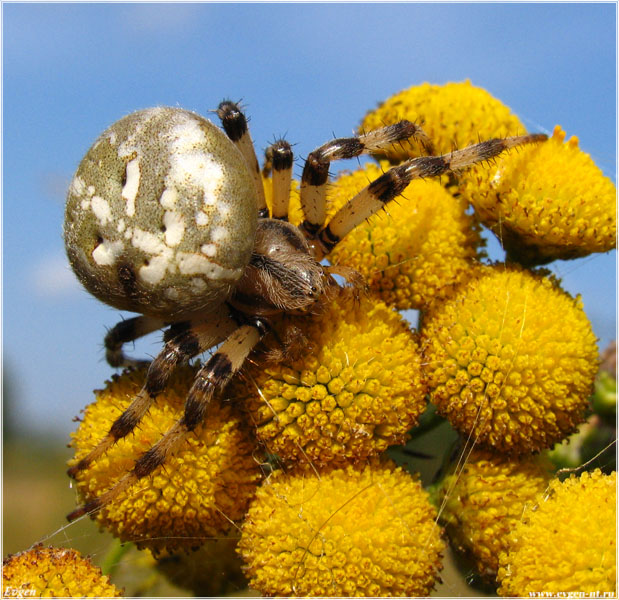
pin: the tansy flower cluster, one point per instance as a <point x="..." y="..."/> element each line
<point x="356" y="389"/>
<point x="415" y="253"/>
<point x="567" y="542"/>
<point x="203" y="489"/>
<point x="453" y="115"/>
<point x="356" y="531"/>
<point x="502" y="351"/>
<point x="54" y="573"/>
<point x="500" y="370"/>
<point x="483" y="500"/>
<point x="545" y="201"/>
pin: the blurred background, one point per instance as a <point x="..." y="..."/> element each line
<point x="306" y="71"/>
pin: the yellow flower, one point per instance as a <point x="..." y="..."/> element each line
<point x="484" y="500"/>
<point x="356" y="531"/>
<point x="415" y="252"/>
<point x="54" y="572"/>
<point x="545" y="201"/>
<point x="510" y="360"/>
<point x="196" y="494"/>
<point x="214" y="569"/>
<point x="453" y="115"/>
<point x="567" y="542"/>
<point x="355" y="390"/>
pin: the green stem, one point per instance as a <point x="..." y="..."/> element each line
<point x="113" y="557"/>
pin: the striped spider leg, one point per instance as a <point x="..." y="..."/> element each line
<point x="278" y="159"/>
<point x="185" y="340"/>
<point x="234" y="123"/>
<point x="126" y="331"/>
<point x="394" y="181"/>
<point x="316" y="170"/>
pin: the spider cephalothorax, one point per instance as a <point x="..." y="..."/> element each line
<point x="166" y="217"/>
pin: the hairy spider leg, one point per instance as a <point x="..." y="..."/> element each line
<point x="279" y="159"/>
<point x="182" y="342"/>
<point x="394" y="181"/>
<point x="234" y="122"/>
<point x="316" y="170"/>
<point x="126" y="331"/>
<point x="213" y="376"/>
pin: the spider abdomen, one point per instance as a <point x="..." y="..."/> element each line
<point x="161" y="215"/>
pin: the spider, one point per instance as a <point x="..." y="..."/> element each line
<point x="166" y="217"/>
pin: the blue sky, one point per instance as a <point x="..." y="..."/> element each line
<point x="309" y="71"/>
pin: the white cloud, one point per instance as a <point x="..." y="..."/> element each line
<point x="53" y="276"/>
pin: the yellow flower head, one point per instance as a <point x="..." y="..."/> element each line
<point x="545" y="201"/>
<point x="510" y="360"/>
<point x="418" y="250"/>
<point x="356" y="531"/>
<point x="195" y="495"/>
<point x="54" y="572"/>
<point x="567" y="543"/>
<point x="214" y="569"/>
<point x="484" y="500"/>
<point x="356" y="389"/>
<point x="453" y="115"/>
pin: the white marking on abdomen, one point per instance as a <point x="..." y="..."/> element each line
<point x="201" y="219"/>
<point x="219" y="234"/>
<point x="168" y="198"/>
<point x="208" y="249"/>
<point x="154" y="271"/>
<point x="174" y="227"/>
<point x="196" y="264"/>
<point x="148" y="242"/>
<point x="130" y="189"/>
<point x="106" y="252"/>
<point x="101" y="209"/>
<point x="196" y="169"/>
<point x="77" y="186"/>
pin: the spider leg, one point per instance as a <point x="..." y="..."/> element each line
<point x="182" y="342"/>
<point x="316" y="170"/>
<point x="234" y="122"/>
<point x="213" y="376"/>
<point x="394" y="181"/>
<point x="128" y="330"/>
<point x="279" y="159"/>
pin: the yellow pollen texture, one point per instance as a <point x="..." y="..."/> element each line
<point x="510" y="360"/>
<point x="453" y="115"/>
<point x="545" y="201"/>
<point x="567" y="543"/>
<point x="356" y="389"/>
<point x="198" y="492"/>
<point x="54" y="573"/>
<point x="484" y="500"/>
<point x="356" y="531"/>
<point x="417" y="250"/>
